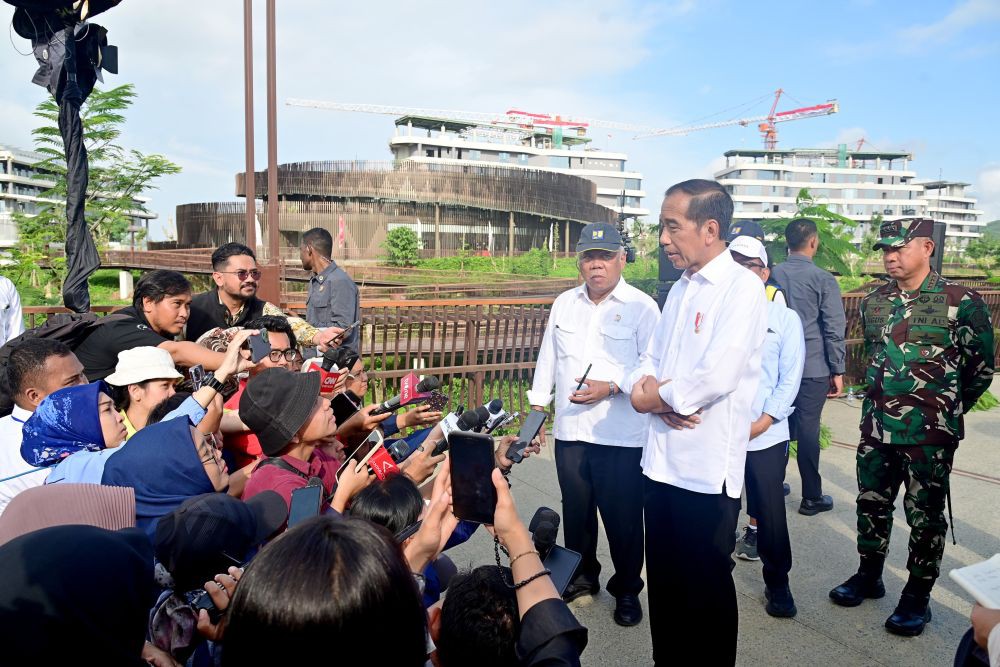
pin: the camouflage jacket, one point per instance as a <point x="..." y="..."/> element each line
<point x="930" y="357"/>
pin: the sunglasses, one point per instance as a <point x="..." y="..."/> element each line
<point x="243" y="274"/>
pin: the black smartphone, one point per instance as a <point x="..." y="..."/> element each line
<point x="473" y="495"/>
<point x="259" y="347"/>
<point x="345" y="404"/>
<point x="562" y="562"/>
<point x="346" y="332"/>
<point x="529" y="429"/>
<point x="363" y="452"/>
<point x="305" y="504"/>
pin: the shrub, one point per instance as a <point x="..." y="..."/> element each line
<point x="401" y="247"/>
<point x="535" y="262"/>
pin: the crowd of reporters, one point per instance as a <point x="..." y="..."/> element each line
<point x="150" y="487"/>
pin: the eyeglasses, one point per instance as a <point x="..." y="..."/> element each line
<point x="753" y="266"/>
<point x="290" y="354"/>
<point x="243" y="274"/>
<point x="362" y="375"/>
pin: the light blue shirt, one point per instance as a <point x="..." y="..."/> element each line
<point x="86" y="467"/>
<point x="783" y="357"/>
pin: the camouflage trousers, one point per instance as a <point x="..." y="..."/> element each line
<point x="924" y="471"/>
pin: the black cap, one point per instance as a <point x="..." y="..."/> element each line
<point x="750" y="228"/>
<point x="209" y="533"/>
<point x="276" y="404"/>
<point x="599" y="236"/>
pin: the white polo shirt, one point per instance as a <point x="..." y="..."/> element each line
<point x="15" y="473"/>
<point x="610" y="335"/>
<point x="708" y="343"/>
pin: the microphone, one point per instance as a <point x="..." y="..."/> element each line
<point x="382" y="463"/>
<point x="498" y="416"/>
<point x="468" y="421"/>
<point x="544" y="529"/>
<point x="330" y="358"/>
<point x="409" y="394"/>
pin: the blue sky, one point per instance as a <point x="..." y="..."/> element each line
<point x="919" y="76"/>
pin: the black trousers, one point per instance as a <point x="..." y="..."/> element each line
<point x="766" y="502"/>
<point x="690" y="539"/>
<point x="606" y="478"/>
<point x="804" y="427"/>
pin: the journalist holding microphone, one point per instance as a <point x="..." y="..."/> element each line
<point x="594" y="336"/>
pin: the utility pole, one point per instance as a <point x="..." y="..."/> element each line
<point x="249" y="178"/>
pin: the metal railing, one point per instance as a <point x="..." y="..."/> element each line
<point x="482" y="348"/>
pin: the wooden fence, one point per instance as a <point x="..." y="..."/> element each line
<point x="482" y="349"/>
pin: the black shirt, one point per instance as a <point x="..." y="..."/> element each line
<point x="207" y="313"/>
<point x="99" y="352"/>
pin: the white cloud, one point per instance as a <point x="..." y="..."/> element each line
<point x="987" y="188"/>
<point x="965" y="15"/>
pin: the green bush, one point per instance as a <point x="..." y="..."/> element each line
<point x="401" y="247"/>
<point x="535" y="262"/>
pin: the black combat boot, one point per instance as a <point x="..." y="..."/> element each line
<point x="913" y="611"/>
<point x="867" y="583"/>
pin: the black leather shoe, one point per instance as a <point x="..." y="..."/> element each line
<point x="780" y="603"/>
<point x="857" y="589"/>
<point x="578" y="589"/>
<point x="811" y="506"/>
<point x="912" y="613"/>
<point x="628" y="611"/>
<point x="787" y="489"/>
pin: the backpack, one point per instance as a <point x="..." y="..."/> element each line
<point x="69" y="328"/>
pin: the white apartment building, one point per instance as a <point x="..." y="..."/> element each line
<point x="425" y="139"/>
<point x="948" y="202"/>
<point x="855" y="184"/>
<point x="21" y="188"/>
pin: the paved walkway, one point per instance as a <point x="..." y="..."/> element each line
<point x="824" y="553"/>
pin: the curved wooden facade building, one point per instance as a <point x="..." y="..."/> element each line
<point x="451" y="207"/>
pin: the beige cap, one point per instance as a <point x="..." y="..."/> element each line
<point x="143" y="363"/>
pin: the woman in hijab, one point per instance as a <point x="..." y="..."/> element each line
<point x="76" y="595"/>
<point x="166" y="463"/>
<point x="74" y="419"/>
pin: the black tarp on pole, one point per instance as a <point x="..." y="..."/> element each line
<point x="81" y="253"/>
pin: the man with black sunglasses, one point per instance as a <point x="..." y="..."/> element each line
<point x="234" y="301"/>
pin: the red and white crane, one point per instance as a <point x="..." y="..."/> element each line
<point x="517" y="119"/>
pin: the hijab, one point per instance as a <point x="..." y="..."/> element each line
<point x="67" y="421"/>
<point x="76" y="594"/>
<point x="161" y="463"/>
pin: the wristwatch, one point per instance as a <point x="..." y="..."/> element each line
<point x="214" y="383"/>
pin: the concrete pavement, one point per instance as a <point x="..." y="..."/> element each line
<point x="824" y="555"/>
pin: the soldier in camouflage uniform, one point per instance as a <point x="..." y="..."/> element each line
<point x="929" y="346"/>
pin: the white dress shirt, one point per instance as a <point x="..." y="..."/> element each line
<point x="782" y="359"/>
<point x="11" y="320"/>
<point x="708" y="344"/>
<point x="610" y="335"/>
<point x="15" y="474"/>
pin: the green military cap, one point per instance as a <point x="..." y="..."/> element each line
<point x="897" y="233"/>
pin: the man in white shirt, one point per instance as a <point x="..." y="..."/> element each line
<point x="38" y="367"/>
<point x="699" y="377"/>
<point x="11" y="320"/>
<point x="603" y="325"/>
<point x="782" y="360"/>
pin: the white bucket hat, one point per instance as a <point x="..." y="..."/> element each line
<point x="143" y="363"/>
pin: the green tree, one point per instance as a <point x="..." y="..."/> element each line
<point x="836" y="231"/>
<point x="986" y="253"/>
<point x="401" y="247"/>
<point x="117" y="176"/>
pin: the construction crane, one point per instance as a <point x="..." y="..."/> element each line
<point x="766" y="124"/>
<point x="513" y="118"/>
<point x="517" y="119"/>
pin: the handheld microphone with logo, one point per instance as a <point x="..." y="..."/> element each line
<point x="328" y="376"/>
<point x="470" y="420"/>
<point x="411" y="392"/>
<point x="498" y="416"/>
